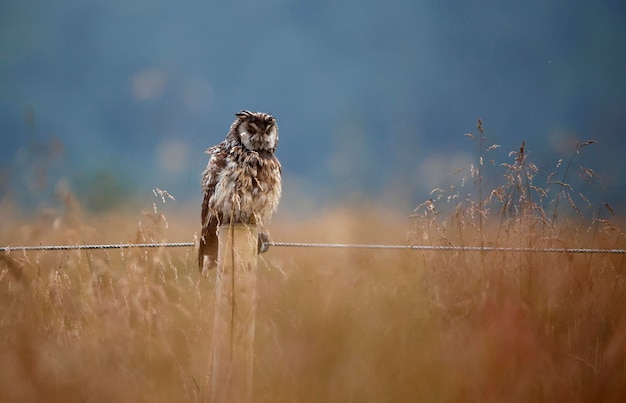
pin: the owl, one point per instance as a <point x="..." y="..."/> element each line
<point x="241" y="183"/>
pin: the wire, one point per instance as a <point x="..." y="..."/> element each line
<point x="446" y="248"/>
<point x="98" y="246"/>
<point x="266" y="245"/>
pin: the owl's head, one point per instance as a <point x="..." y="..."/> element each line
<point x="258" y="131"/>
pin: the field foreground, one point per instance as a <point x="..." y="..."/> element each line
<point x="331" y="326"/>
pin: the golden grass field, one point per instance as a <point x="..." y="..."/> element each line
<point x="332" y="325"/>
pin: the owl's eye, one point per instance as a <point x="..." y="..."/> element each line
<point x="251" y="130"/>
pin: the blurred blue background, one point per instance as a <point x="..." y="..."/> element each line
<point x="372" y="97"/>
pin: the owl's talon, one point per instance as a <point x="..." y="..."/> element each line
<point x="263" y="245"/>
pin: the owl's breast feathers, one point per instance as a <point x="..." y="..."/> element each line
<point x="244" y="186"/>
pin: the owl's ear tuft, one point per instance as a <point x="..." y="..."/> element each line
<point x="243" y="114"/>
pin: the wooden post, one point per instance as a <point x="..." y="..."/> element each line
<point x="233" y="330"/>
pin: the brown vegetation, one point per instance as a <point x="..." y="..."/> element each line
<point x="332" y="325"/>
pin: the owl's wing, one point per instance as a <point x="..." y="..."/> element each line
<point x="208" y="238"/>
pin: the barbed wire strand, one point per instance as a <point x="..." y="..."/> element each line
<point x="449" y="248"/>
<point x="97" y="246"/>
<point x="265" y="246"/>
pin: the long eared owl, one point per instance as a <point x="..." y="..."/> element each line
<point x="241" y="183"/>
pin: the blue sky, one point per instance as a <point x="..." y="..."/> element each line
<point x="372" y="97"/>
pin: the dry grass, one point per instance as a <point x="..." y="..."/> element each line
<point x="332" y="325"/>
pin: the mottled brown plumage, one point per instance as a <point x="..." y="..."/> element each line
<point x="241" y="183"/>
